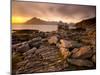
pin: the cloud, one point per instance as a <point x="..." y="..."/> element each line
<point x="52" y="11"/>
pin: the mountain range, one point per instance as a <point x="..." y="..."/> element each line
<point x="39" y="21"/>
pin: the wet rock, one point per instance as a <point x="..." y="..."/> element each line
<point x="29" y="51"/>
<point x="35" y="42"/>
<point x="45" y="59"/>
<point x="22" y="63"/>
<point x="82" y="52"/>
<point x="43" y="49"/>
<point x="15" y="46"/>
<point x="34" y="64"/>
<point x="42" y="34"/>
<point x="80" y="62"/>
<point x="50" y="54"/>
<point x="65" y="43"/>
<point x="53" y="40"/>
<point x="23" y="48"/>
<point x="58" y="66"/>
<point x="94" y="58"/>
<point x="65" y="52"/>
<point x="75" y="50"/>
<point x="63" y="48"/>
<point x="16" y="58"/>
<point x="75" y="44"/>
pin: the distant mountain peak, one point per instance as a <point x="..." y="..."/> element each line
<point x="38" y="21"/>
<point x="35" y="20"/>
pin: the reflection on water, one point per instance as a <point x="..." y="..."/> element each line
<point x="43" y="28"/>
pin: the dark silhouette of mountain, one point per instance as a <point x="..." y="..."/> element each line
<point x="35" y="21"/>
<point x="39" y="21"/>
<point x="88" y="23"/>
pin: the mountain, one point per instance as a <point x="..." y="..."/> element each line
<point x="39" y="21"/>
<point x="89" y="33"/>
<point x="35" y="20"/>
<point x="88" y="23"/>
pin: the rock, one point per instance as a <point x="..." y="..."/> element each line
<point x="35" y="42"/>
<point x="80" y="62"/>
<point x="51" y="60"/>
<point x="75" y="44"/>
<point x="53" y="40"/>
<point x="82" y="52"/>
<point x="34" y="64"/>
<point x="23" y="48"/>
<point x="52" y="68"/>
<point x="58" y="66"/>
<point x="65" y="52"/>
<point x="42" y="34"/>
<point x="50" y="54"/>
<point x="29" y="51"/>
<point x="43" y="49"/>
<point x="75" y="50"/>
<point x="94" y="58"/>
<point x="15" y="46"/>
<point x="22" y="63"/>
<point x="65" y="43"/>
<point x="16" y="58"/>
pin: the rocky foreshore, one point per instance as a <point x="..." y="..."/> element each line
<point x="62" y="50"/>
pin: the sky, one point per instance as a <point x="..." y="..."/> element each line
<point x="23" y="11"/>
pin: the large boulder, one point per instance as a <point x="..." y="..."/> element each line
<point x="80" y="62"/>
<point x="82" y="52"/>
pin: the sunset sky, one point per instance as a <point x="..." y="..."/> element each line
<point x="23" y="11"/>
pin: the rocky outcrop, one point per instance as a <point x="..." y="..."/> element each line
<point x="36" y="59"/>
<point x="63" y="50"/>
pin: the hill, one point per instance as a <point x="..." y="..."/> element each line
<point x="39" y="21"/>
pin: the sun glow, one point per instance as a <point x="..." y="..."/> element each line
<point x="17" y="19"/>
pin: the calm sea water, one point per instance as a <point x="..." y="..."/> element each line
<point x="43" y="28"/>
